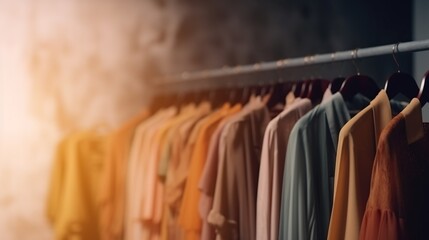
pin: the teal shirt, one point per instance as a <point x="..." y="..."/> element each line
<point x="309" y="170"/>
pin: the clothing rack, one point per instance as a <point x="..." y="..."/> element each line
<point x="222" y="76"/>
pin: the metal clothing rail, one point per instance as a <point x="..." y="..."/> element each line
<point x="187" y="78"/>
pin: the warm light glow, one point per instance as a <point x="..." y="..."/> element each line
<point x="64" y="66"/>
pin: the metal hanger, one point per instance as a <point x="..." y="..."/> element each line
<point x="358" y="83"/>
<point x="400" y="82"/>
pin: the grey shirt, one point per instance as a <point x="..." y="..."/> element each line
<point x="309" y="171"/>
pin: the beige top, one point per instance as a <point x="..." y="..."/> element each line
<point x="357" y="147"/>
<point x="136" y="165"/>
<point x="272" y="167"/>
<point x="207" y="180"/>
<point x="234" y="206"/>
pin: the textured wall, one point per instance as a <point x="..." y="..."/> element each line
<point x="77" y="64"/>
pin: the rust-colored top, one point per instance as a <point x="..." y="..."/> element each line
<point x="398" y="207"/>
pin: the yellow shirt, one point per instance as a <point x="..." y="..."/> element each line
<point x="75" y="183"/>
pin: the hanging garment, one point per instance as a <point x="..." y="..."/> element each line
<point x="75" y="183"/>
<point x="176" y="155"/>
<point x="208" y="176"/>
<point x="398" y="207"/>
<point x="271" y="169"/>
<point x="112" y="192"/>
<point x="357" y="146"/>
<point x="309" y="169"/>
<point x="162" y="151"/>
<point x="183" y="130"/>
<point x="234" y="206"/>
<point x="135" y="191"/>
<point x="151" y="210"/>
<point x="177" y="178"/>
<point x="154" y="205"/>
<point x="189" y="218"/>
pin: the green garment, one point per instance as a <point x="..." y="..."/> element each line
<point x="309" y="169"/>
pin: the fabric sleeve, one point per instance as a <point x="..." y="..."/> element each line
<point x="265" y="185"/>
<point x="188" y="209"/>
<point x="150" y="209"/>
<point x="339" y="209"/>
<point x="298" y="208"/>
<point x="225" y="191"/>
<point x="276" y="192"/>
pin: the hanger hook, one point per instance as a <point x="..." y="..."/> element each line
<point x="354" y="57"/>
<point x="395" y="50"/>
